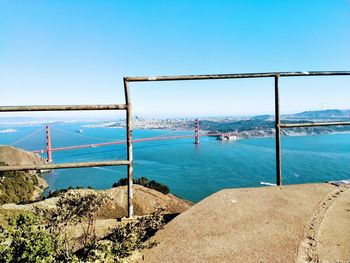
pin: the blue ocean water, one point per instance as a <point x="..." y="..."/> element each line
<point x="191" y="171"/>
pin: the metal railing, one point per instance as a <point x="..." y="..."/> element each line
<point x="128" y="108"/>
<point x="276" y="76"/>
<point x="49" y="166"/>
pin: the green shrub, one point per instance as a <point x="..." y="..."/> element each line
<point x="126" y="238"/>
<point x="43" y="238"/>
<point x="121" y="182"/>
<point x="74" y="208"/>
<point x="145" y="182"/>
<point x="17" y="186"/>
<point x="58" y="192"/>
<point x="27" y="241"/>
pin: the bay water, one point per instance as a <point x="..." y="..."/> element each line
<point x="191" y="171"/>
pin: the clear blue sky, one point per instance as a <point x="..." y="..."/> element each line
<point x="76" y="52"/>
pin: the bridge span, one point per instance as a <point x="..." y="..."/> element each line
<point x="48" y="149"/>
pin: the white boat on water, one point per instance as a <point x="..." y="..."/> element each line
<point x="227" y="137"/>
<point x="79" y="131"/>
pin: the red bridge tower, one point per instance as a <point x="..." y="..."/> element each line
<point x="48" y="145"/>
<point x="196" y="131"/>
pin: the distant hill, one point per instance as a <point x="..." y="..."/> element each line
<point x="324" y="113"/>
<point x="318" y="114"/>
<point x="261" y="117"/>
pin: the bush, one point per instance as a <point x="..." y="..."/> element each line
<point x="27" y="241"/>
<point x="17" y="186"/>
<point x="73" y="208"/>
<point x="31" y="238"/>
<point x="145" y="182"/>
<point x="126" y="238"/>
<point x="58" y="192"/>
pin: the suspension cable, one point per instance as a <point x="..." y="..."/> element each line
<point x="26" y="137"/>
<point x="81" y="135"/>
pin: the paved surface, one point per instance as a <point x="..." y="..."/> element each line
<point x="266" y="224"/>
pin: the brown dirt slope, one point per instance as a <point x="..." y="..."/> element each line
<point x="266" y="224"/>
<point x="145" y="201"/>
<point x="14" y="156"/>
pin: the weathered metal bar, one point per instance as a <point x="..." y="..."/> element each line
<point x="50" y="166"/>
<point x="313" y="124"/>
<point x="235" y="76"/>
<point x="278" y="133"/>
<point x="129" y="149"/>
<point x="63" y="107"/>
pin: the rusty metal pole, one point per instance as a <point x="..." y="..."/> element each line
<point x="129" y="149"/>
<point x="278" y="133"/>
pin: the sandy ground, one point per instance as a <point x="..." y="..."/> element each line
<point x="333" y="239"/>
<point x="296" y="223"/>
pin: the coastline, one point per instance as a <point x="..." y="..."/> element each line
<point x="60" y="179"/>
<point x="297" y="135"/>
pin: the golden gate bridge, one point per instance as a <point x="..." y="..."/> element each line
<point x="49" y="149"/>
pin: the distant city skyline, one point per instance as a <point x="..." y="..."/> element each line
<point x="88" y="117"/>
<point x="64" y="52"/>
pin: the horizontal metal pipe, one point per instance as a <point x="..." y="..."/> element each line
<point x="235" y="76"/>
<point x="50" y="166"/>
<point x="312" y="124"/>
<point x="63" y="107"/>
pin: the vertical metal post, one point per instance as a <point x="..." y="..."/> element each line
<point x="278" y="133"/>
<point x="129" y="149"/>
<point x="48" y="145"/>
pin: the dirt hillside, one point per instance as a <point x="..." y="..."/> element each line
<point x="145" y="201"/>
<point x="15" y="156"/>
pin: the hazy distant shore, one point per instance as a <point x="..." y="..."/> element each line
<point x="8" y="131"/>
